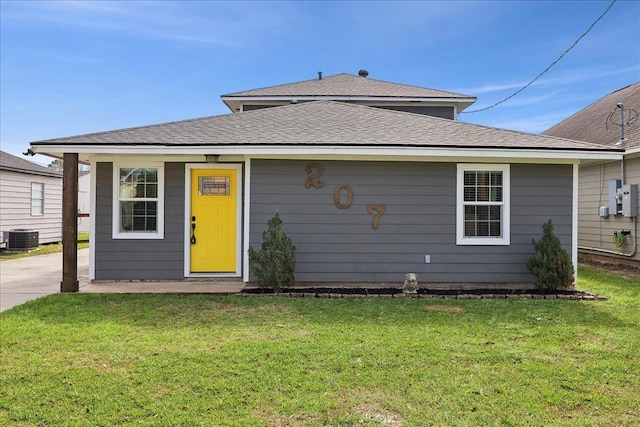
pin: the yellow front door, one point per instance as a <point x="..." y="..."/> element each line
<point x="213" y="221"/>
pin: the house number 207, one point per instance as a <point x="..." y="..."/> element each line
<point x="342" y="195"/>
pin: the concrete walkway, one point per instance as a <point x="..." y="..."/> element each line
<point x="25" y="279"/>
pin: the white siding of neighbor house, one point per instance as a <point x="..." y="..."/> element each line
<point x="15" y="205"/>
<point x="594" y="231"/>
<point x="84" y="201"/>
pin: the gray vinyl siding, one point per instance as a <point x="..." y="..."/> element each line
<point x="336" y="245"/>
<point x="140" y="259"/>
<point x="442" y="112"/>
<point x="594" y="231"/>
<point x="250" y="107"/>
<point x="15" y="205"/>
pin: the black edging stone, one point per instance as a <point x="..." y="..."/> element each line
<point x="423" y="293"/>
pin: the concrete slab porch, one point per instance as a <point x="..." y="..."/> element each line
<point x="25" y="279"/>
<point x="163" y="287"/>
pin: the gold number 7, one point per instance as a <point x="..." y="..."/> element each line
<point x="379" y="210"/>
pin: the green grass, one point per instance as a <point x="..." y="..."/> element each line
<point x="168" y="360"/>
<point x="43" y="249"/>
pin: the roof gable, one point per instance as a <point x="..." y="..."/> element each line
<point x="347" y="87"/>
<point x="600" y="122"/>
<point x="322" y="123"/>
<point x="16" y="164"/>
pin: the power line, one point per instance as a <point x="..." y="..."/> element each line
<point x="549" y="67"/>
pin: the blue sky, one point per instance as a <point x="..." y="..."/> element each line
<point x="73" y="67"/>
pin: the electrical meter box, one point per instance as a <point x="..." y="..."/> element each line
<point x="630" y="200"/>
<point x="615" y="201"/>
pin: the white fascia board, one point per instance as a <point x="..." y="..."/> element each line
<point x="160" y="156"/>
<point x="363" y="152"/>
<point x="632" y="151"/>
<point x="442" y="155"/>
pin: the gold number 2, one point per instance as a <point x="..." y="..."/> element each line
<point x="313" y="180"/>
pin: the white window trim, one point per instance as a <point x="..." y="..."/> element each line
<point x="42" y="186"/>
<point x="140" y="235"/>
<point x="506" y="203"/>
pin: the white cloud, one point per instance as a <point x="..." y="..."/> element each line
<point x="534" y="124"/>
<point x="561" y="78"/>
<point x="524" y="101"/>
<point x="216" y="23"/>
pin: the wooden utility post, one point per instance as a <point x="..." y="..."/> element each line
<point x="69" y="223"/>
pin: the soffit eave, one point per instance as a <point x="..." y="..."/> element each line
<point x="234" y="102"/>
<point x="85" y="152"/>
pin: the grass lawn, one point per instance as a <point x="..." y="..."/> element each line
<point x="43" y="249"/>
<point x="168" y="360"/>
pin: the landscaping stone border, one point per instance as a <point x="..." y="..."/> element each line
<point x="333" y="293"/>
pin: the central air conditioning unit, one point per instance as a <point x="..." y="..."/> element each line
<point x="21" y="239"/>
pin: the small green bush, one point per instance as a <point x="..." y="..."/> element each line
<point x="274" y="264"/>
<point x="551" y="264"/>
<point x="619" y="238"/>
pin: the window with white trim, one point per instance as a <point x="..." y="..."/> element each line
<point x="138" y="211"/>
<point x="483" y="204"/>
<point x="37" y="198"/>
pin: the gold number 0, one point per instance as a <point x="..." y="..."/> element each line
<point x="314" y="180"/>
<point x="379" y="209"/>
<point x="336" y="196"/>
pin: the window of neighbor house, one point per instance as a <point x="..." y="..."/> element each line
<point x="138" y="207"/>
<point x="483" y="203"/>
<point x="37" y="198"/>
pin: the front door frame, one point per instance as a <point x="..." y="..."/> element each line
<point x="189" y="167"/>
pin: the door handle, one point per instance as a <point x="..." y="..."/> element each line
<point x="193" y="230"/>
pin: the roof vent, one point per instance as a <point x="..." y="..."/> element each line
<point x="319" y="75"/>
<point x="620" y="105"/>
<point x="363" y="73"/>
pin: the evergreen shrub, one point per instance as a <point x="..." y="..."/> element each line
<point x="274" y="264"/>
<point x="551" y="264"/>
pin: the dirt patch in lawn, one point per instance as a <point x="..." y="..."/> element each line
<point x="624" y="267"/>
<point x="278" y="420"/>
<point x="270" y="309"/>
<point x="371" y="413"/>
<point x="443" y="308"/>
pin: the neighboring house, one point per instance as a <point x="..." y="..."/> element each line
<point x="372" y="180"/>
<point x="606" y="122"/>
<point x="30" y="198"/>
<point x="84" y="200"/>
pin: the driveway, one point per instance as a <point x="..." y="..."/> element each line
<point x="33" y="277"/>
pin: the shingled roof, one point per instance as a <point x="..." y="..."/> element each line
<point x="600" y="122"/>
<point x="13" y="163"/>
<point x="321" y="123"/>
<point x="348" y="85"/>
<point x="345" y="87"/>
